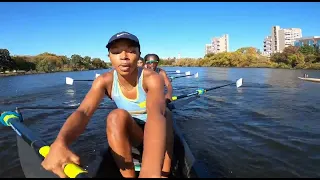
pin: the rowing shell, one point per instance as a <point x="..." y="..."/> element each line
<point x="310" y="79"/>
<point x="32" y="149"/>
<point x="184" y="164"/>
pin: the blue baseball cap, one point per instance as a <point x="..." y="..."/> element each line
<point x="123" y="35"/>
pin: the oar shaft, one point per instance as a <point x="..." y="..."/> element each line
<point x="42" y="149"/>
<point x="173" y="73"/>
<point x="218" y="87"/>
<point x="84" y="80"/>
<point x="27" y="135"/>
<point x="181" y="76"/>
<point x="186" y="95"/>
<point x="55" y="107"/>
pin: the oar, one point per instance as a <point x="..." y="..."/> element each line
<point x="238" y="83"/>
<point x="186" y="73"/>
<point x="177" y="71"/>
<point x="14" y="120"/>
<point x="70" y="81"/>
<point x="56" y="107"/>
<point x="196" y="75"/>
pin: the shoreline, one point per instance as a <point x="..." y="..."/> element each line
<point x="35" y="72"/>
<point x="19" y="73"/>
<point x="245" y="67"/>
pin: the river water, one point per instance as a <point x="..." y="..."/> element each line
<point x="269" y="127"/>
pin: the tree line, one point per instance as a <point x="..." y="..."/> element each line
<point x="49" y="62"/>
<point x="304" y="57"/>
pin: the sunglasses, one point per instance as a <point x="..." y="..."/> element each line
<point x="151" y="61"/>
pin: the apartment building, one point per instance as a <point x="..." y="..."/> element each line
<point x="282" y="38"/>
<point x="218" y="45"/>
<point x="208" y="48"/>
<point x="267" y="46"/>
<point x="311" y="41"/>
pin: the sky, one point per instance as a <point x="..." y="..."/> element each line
<point x="164" y="28"/>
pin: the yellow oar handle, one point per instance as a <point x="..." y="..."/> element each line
<point x="70" y="169"/>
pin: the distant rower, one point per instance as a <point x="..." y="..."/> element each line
<point x="152" y="61"/>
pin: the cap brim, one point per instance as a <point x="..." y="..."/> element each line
<point x="133" y="41"/>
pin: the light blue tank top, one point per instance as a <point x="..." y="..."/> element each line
<point x="131" y="105"/>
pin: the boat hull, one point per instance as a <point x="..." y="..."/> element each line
<point x="184" y="165"/>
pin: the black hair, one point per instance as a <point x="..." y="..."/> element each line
<point x="141" y="58"/>
<point x="151" y="55"/>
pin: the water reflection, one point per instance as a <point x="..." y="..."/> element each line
<point x="70" y="92"/>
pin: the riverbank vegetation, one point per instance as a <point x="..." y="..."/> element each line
<point x="47" y="62"/>
<point x="305" y="57"/>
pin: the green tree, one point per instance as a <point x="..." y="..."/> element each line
<point x="45" y="65"/>
<point x="209" y="55"/>
<point x="97" y="63"/>
<point x="65" y="60"/>
<point x="22" y="64"/>
<point x="248" y="50"/>
<point x="295" y="59"/>
<point x="76" y="61"/>
<point x="310" y="58"/>
<point x="6" y="62"/>
<point x="290" y="50"/>
<point x="307" y="50"/>
<point x="87" y="62"/>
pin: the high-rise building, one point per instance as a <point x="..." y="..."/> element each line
<point x="275" y="39"/>
<point x="282" y="38"/>
<point x="218" y="44"/>
<point x="267" y="46"/>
